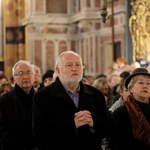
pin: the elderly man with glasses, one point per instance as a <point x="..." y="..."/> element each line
<point x="16" y="110"/>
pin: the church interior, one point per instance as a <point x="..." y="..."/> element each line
<point x="99" y="30"/>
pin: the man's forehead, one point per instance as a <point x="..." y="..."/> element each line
<point x="23" y="66"/>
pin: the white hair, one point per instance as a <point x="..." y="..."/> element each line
<point x="18" y="63"/>
<point x="58" y="61"/>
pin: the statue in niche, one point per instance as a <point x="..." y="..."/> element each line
<point x="139" y="29"/>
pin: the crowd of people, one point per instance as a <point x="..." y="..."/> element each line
<point x="65" y="109"/>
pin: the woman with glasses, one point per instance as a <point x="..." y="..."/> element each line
<point x="133" y="118"/>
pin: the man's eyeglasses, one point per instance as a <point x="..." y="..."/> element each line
<point x="21" y="73"/>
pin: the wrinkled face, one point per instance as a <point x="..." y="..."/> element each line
<point x="70" y="69"/>
<point x="141" y="87"/>
<point x="24" y="76"/>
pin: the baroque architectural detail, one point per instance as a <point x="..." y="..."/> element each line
<point x="77" y="27"/>
<point x="140" y="29"/>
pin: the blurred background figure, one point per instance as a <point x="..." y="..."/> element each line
<point x="84" y="80"/>
<point x="47" y="78"/>
<point x="122" y="65"/>
<point x="122" y="91"/>
<point x="3" y="78"/>
<point x="135" y="65"/>
<point x="37" y="83"/>
<point x="5" y="87"/>
<point x="148" y="68"/>
<point x="90" y="78"/>
<point x="12" y="81"/>
<point x="114" y="81"/>
<point x="122" y="62"/>
<point x="103" y="85"/>
<point x="111" y="69"/>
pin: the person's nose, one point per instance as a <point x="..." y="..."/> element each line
<point x="74" y="67"/>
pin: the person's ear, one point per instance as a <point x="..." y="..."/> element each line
<point x="57" y="70"/>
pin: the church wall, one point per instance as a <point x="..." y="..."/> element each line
<point x="79" y="28"/>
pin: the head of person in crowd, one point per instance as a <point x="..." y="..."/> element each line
<point x="3" y="78"/>
<point x="123" y="91"/>
<point x="90" y="78"/>
<point x="23" y="75"/>
<point x="122" y="62"/>
<point x="37" y="83"/>
<point x="135" y="65"/>
<point x="111" y="69"/>
<point x="138" y="83"/>
<point x="100" y="76"/>
<point x="47" y="77"/>
<point x="5" y="87"/>
<point x="114" y="79"/>
<point x="70" y="73"/>
<point x="86" y="81"/>
<point x="102" y="84"/>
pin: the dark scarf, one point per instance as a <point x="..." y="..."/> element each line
<point x="140" y="126"/>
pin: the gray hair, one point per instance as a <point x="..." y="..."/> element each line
<point x="133" y="81"/>
<point x="19" y="63"/>
<point x="58" y="61"/>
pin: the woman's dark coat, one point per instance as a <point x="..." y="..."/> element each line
<point x="123" y="132"/>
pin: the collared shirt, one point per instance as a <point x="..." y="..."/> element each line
<point x="74" y="96"/>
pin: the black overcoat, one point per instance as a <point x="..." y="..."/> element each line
<point x="124" y="137"/>
<point x="53" y="118"/>
<point x="16" y="120"/>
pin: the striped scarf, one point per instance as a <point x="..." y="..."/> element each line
<point x="140" y="126"/>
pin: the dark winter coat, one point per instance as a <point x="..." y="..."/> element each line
<point x="123" y="132"/>
<point x="16" y="120"/>
<point x="53" y="118"/>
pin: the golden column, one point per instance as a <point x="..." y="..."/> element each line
<point x="14" y="42"/>
<point x="139" y="24"/>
